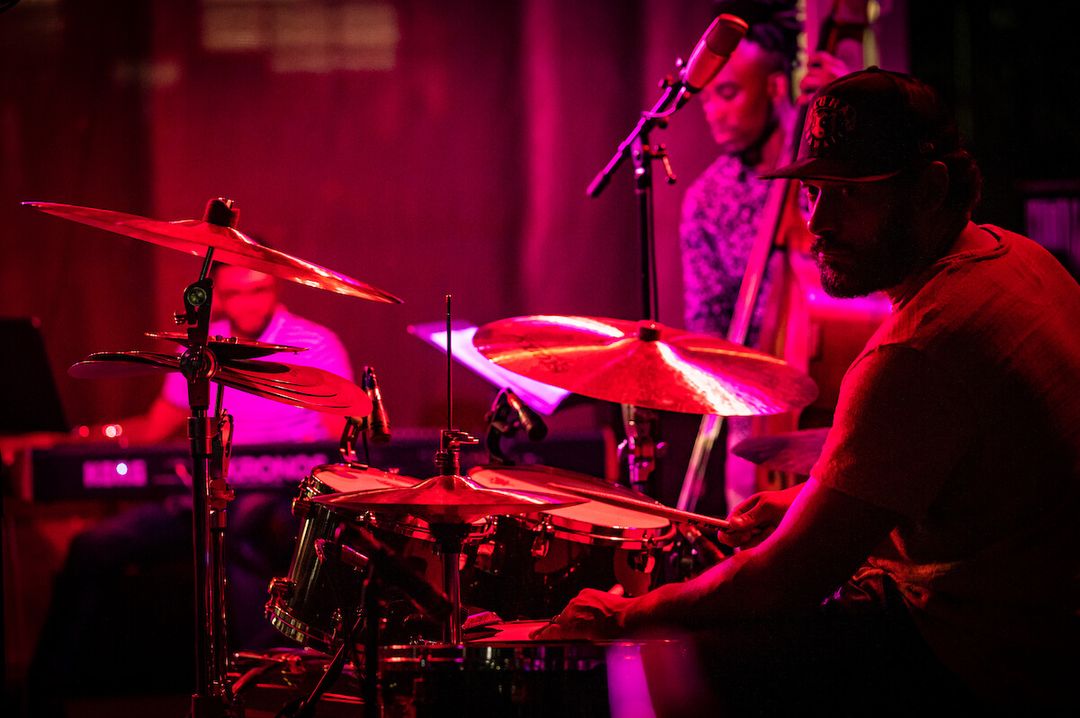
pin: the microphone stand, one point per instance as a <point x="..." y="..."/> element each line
<point x="641" y="449"/>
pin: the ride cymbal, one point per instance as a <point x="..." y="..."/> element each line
<point x="645" y="364"/>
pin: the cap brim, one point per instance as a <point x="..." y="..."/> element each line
<point x="823" y="168"/>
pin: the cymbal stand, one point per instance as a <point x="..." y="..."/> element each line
<point x="640" y="446"/>
<point x="209" y="497"/>
<point x="450" y="537"/>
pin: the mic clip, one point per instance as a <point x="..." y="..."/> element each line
<point x="509" y="415"/>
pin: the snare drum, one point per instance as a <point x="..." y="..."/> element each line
<point x="537" y="563"/>
<point x="311" y="604"/>
<point x="308" y="606"/>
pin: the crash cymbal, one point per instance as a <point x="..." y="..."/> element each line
<point x="645" y="364"/>
<point x="447" y="499"/>
<point x="795" y="451"/>
<point x="229" y="347"/>
<point x="302" y="386"/>
<point x="194" y="236"/>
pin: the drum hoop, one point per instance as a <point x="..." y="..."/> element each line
<point x="586" y="532"/>
<point x="283" y="620"/>
<point x="503" y="655"/>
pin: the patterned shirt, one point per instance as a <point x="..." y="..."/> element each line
<point x="719" y="224"/>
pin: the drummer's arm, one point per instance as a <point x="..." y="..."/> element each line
<point x="820" y="542"/>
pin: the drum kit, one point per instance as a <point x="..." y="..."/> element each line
<point x="377" y="550"/>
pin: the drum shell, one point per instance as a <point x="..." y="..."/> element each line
<point x="536" y="563"/>
<point x="309" y="604"/>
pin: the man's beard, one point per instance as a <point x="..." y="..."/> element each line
<point x="885" y="264"/>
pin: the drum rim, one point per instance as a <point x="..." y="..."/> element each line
<point x="587" y="532"/>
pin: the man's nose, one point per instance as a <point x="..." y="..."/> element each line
<point x="822" y="216"/>
<point x="714" y="110"/>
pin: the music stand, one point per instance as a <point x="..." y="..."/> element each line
<point x="32" y="402"/>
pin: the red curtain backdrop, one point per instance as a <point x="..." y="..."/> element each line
<point x="426" y="147"/>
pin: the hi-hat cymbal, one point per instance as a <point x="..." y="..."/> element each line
<point x="795" y="451"/>
<point x="645" y="364"/>
<point x="302" y="386"/>
<point x="194" y="236"/>
<point x="447" y="500"/>
<point x="228" y="348"/>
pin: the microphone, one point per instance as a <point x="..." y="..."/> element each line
<point x="710" y="54"/>
<point x="392" y="569"/>
<point x="380" y="420"/>
<point x="530" y="421"/>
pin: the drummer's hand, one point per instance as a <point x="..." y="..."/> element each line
<point x="754" y="519"/>
<point x="592" y="614"/>
<point x="821" y="69"/>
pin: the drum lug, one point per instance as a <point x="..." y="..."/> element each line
<point x="642" y="561"/>
<point x="281" y="588"/>
<point x="542" y="542"/>
<point x="486" y="557"/>
<point x="300" y="506"/>
<point x="645" y="559"/>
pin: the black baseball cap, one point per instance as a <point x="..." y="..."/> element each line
<point x="871" y="125"/>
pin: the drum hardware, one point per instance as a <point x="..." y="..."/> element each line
<point x="215" y="238"/>
<point x="643" y="560"/>
<point x="355" y="428"/>
<point x="542" y="544"/>
<point x="639" y="448"/>
<point x="509" y="415"/>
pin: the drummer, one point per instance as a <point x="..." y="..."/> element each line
<point x="951" y="477"/>
<point x="251" y="310"/>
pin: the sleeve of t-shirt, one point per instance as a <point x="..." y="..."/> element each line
<point x="174" y="390"/>
<point x="328" y="353"/>
<point x="902" y="424"/>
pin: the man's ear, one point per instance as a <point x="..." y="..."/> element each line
<point x="933" y="186"/>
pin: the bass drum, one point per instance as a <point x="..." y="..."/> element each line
<point x="535" y="564"/>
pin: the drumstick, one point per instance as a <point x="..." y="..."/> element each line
<point x="647" y="507"/>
